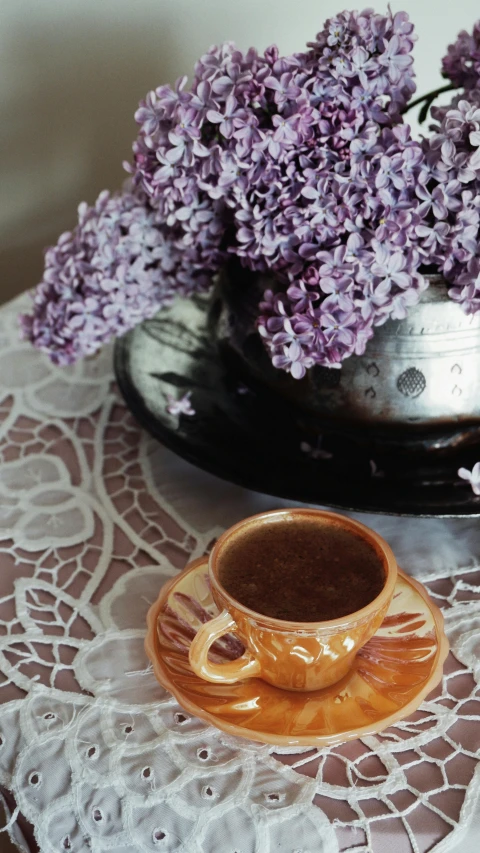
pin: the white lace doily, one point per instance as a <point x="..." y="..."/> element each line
<point x="94" y="517"/>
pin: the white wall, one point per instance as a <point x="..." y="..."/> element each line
<point x="72" y="72"/>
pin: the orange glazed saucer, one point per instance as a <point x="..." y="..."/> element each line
<point x="389" y="679"/>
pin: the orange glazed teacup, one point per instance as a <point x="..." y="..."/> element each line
<point x="294" y="654"/>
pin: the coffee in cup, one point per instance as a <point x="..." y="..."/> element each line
<point x="305" y="569"/>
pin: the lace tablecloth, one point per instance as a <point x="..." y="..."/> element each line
<point x="94" y="517"/>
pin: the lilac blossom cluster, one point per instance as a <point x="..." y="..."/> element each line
<point x="461" y="64"/>
<point x="117" y="268"/>
<point x="407" y="205"/>
<point x="300" y="166"/>
<point x="274" y="148"/>
<point x="450" y="194"/>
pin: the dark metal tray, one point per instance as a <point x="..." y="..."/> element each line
<point x="254" y="438"/>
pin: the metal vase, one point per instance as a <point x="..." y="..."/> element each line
<point x="416" y="386"/>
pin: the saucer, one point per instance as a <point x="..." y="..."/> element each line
<point x="390" y="677"/>
<point x="274" y="454"/>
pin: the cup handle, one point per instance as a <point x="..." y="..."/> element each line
<point x="245" y="666"/>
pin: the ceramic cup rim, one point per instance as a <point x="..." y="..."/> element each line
<point x="284" y="625"/>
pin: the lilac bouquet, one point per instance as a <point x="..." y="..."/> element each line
<point x="301" y="166"/>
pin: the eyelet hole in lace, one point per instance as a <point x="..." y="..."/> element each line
<point x="97" y="815"/>
<point x="274" y="797"/>
<point x="204" y="754"/>
<point x="66" y="843"/>
<point x="128" y="730"/>
<point x="208" y="793"/>
<point x="147" y="772"/>
<point x="35" y="779"/>
<point x="180" y="718"/>
<point x="92" y="752"/>
<point x="158" y="835"/>
<point x="49" y="716"/>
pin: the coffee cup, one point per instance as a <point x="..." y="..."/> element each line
<point x="333" y="561"/>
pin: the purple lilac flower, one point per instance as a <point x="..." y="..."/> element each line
<point x="370" y="270"/>
<point x="472" y="477"/>
<point x="182" y="406"/>
<point x="372" y="53"/>
<point x="294" y="360"/>
<point x="467" y="287"/>
<point x="448" y="188"/>
<point x="461" y="65"/>
<point x="117" y="268"/>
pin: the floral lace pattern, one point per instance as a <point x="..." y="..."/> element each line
<point x="94" y="518"/>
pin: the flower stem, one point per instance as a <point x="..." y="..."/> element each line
<point x="428" y="100"/>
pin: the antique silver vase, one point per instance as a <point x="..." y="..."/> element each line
<point x="417" y="385"/>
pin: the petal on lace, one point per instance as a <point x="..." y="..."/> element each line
<point x="64" y="397"/>
<point x="463" y="631"/>
<point x="158" y="827"/>
<point x="23" y="367"/>
<point x="22" y="476"/>
<point x="42" y="510"/>
<point x="115" y="665"/>
<point x="127" y="603"/>
<point x="301" y="833"/>
<point x="175" y="719"/>
<point x="11" y="741"/>
<point x="148" y="774"/>
<point x="134" y="728"/>
<point x="33" y="658"/>
<point x="101" y="812"/>
<point x="63" y="525"/>
<point x="48" y="715"/>
<point x="232" y="827"/>
<point x="205" y="751"/>
<point x="60" y="829"/>
<point x="37" y="784"/>
<point x="92" y="750"/>
<point x="274" y="791"/>
<point x="204" y="791"/>
<point x="45" y="608"/>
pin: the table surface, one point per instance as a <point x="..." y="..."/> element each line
<point x="94" y="517"/>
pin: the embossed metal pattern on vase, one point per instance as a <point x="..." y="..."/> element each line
<point x="423" y="370"/>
